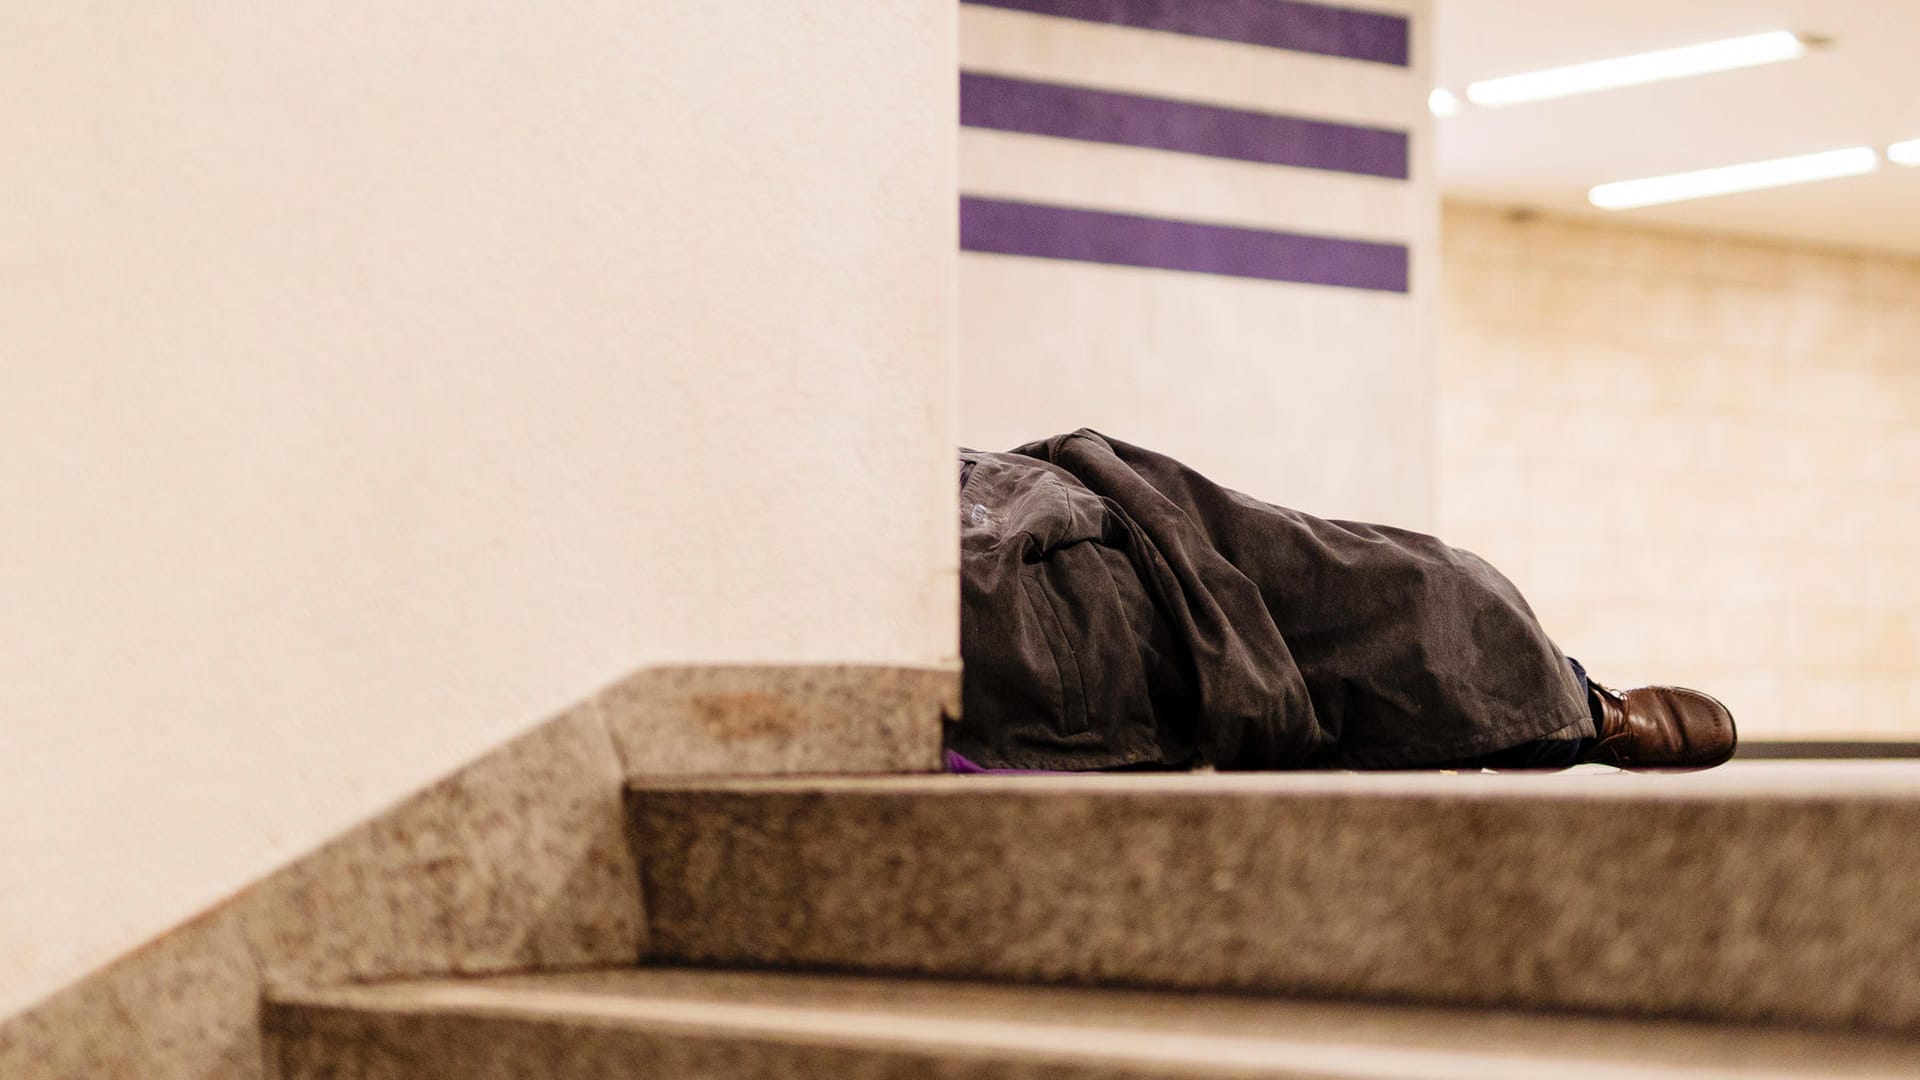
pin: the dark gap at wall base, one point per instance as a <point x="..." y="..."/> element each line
<point x="1783" y="749"/>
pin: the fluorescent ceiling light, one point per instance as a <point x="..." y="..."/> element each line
<point x="1740" y="52"/>
<point x="1443" y="103"/>
<point x="1753" y="176"/>
<point x="1906" y="153"/>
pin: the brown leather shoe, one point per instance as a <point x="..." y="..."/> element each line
<point x="1661" y="727"/>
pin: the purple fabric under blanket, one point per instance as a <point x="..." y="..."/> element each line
<point x="958" y="764"/>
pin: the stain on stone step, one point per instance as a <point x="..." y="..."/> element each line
<point x="750" y="715"/>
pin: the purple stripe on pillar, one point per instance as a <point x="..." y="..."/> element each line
<point x="1072" y="112"/>
<point x="1279" y="24"/>
<point x="1060" y="232"/>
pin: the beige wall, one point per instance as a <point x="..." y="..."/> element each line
<point x="378" y="379"/>
<point x="1312" y="395"/>
<point x="1699" y="457"/>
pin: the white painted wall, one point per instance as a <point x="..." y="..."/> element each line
<point x="1317" y="397"/>
<point x="376" y="379"/>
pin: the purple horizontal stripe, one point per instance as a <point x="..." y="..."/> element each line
<point x="1279" y="24"/>
<point x="1059" y="232"/>
<point x="1072" y="112"/>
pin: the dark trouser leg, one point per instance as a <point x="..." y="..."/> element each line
<point x="1556" y="750"/>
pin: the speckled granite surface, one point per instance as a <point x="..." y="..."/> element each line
<point x="1743" y="896"/>
<point x="184" y="1007"/>
<point x="755" y="1024"/>
<point x="746" y="720"/>
<point x="520" y="861"/>
<point x="514" y="862"/>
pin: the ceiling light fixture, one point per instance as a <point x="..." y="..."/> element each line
<point x="1753" y="176"/>
<point x="1443" y="103"/>
<point x="1906" y="153"/>
<point x="1704" y="59"/>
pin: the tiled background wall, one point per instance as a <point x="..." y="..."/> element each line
<point x="1206" y="227"/>
<point x="1699" y="457"/>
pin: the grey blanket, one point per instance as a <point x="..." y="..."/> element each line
<point x="1120" y="610"/>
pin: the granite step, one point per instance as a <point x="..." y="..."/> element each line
<point x="687" y="1024"/>
<point x="1769" y="892"/>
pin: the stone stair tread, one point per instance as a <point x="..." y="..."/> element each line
<point x="1768" y="892"/>
<point x="873" y="1026"/>
<point x="1768" y="779"/>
